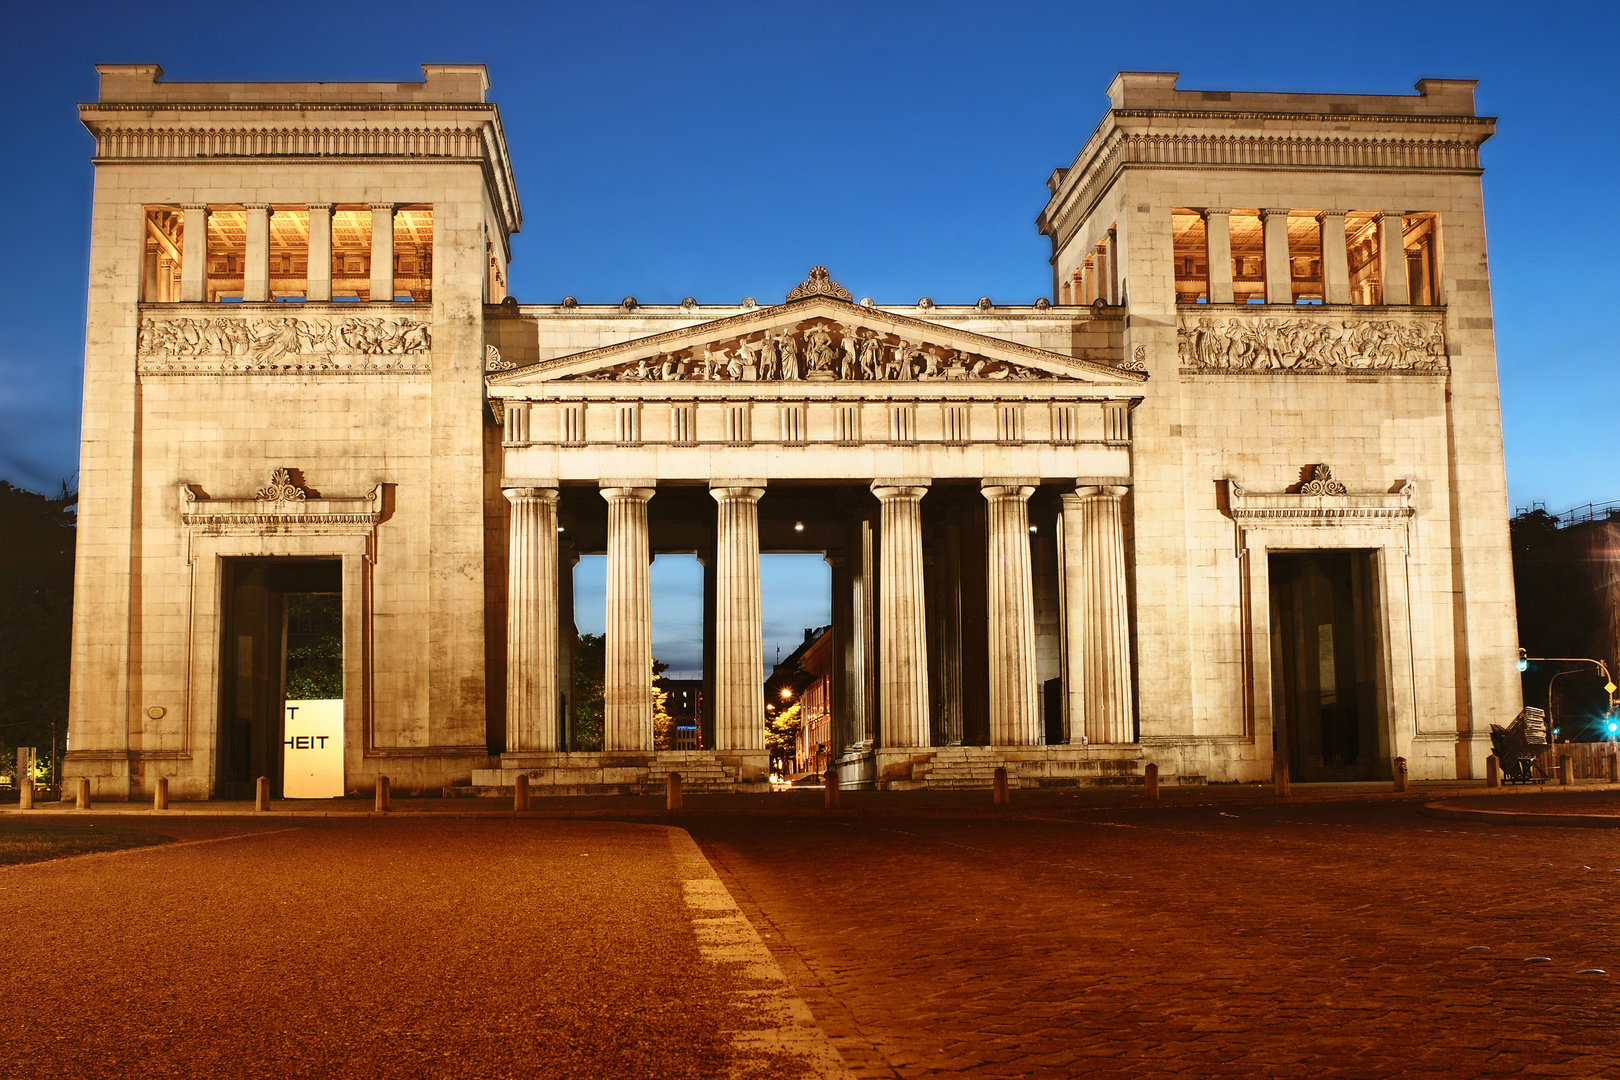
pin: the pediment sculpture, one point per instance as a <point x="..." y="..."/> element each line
<point x="824" y="351"/>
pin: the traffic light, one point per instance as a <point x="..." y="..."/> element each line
<point x="1524" y="660"/>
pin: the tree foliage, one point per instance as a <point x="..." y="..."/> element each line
<point x="36" y="617"/>
<point x="590" y="664"/>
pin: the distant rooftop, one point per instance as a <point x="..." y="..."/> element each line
<point x="441" y="84"/>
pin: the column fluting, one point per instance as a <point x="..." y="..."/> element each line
<point x="1106" y="637"/>
<point x="1015" y="718"/>
<point x="627" y="704"/>
<point x="531" y="621"/>
<point x="902" y="630"/>
<point x="739" y="666"/>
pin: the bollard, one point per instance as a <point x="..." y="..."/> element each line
<point x="25" y="797"/>
<point x="1614" y="768"/>
<point x="520" y="792"/>
<point x="830" y="791"/>
<point x="160" y="794"/>
<point x="672" y="792"/>
<point x="1400" y="773"/>
<point x="1003" y="795"/>
<point x="1566" y="770"/>
<point x="1150" y="781"/>
<point x="83" y="800"/>
<point x="261" y="795"/>
<point x="1493" y="771"/>
<point x="382" y="794"/>
<point x="1279" y="776"/>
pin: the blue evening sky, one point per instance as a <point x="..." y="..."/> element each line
<point x="718" y="150"/>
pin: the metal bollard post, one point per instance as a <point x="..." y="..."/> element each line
<point x="672" y="793"/>
<point x="1003" y="795"/>
<point x="830" y="791"/>
<point x="1566" y="770"/>
<point x="1279" y="777"/>
<point x="1493" y="771"/>
<point x="25" y="800"/>
<point x="160" y="794"/>
<point x="261" y="795"/>
<point x="1150" y="781"/>
<point x="382" y="794"/>
<point x="1400" y="773"/>
<point x="1614" y="768"/>
<point x="82" y="802"/>
<point x="520" y="792"/>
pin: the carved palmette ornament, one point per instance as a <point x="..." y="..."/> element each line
<point x="493" y="361"/>
<point x="280" y="489"/>
<point x="819" y="283"/>
<point x="291" y="343"/>
<point x="823" y="353"/>
<point x="1272" y="344"/>
<point x="1322" y="483"/>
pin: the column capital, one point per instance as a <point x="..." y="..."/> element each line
<point x="750" y="489"/>
<point x="318" y="206"/>
<point x="638" y="494"/>
<point x="889" y="488"/>
<point x="1274" y="211"/>
<point x="256" y="206"/>
<point x="1100" y="491"/>
<point x="522" y="494"/>
<point x="1000" y="487"/>
<point x="1223" y="211"/>
<point x="1392" y="213"/>
<point x="382" y="207"/>
<point x="1325" y="214"/>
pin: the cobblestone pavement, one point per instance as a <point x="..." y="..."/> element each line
<point x="400" y="948"/>
<point x="1352" y="939"/>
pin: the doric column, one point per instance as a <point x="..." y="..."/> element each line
<point x="948" y="557"/>
<point x="1015" y="715"/>
<point x="627" y="708"/>
<point x="1104" y="637"/>
<point x="843" y="612"/>
<point x="382" y="251"/>
<point x="1335" y="257"/>
<point x="1392" y="258"/>
<point x="194" y="256"/>
<point x="531" y="621"/>
<point x="707" y="559"/>
<point x="319" y="284"/>
<point x="739" y="664"/>
<point x="902" y="629"/>
<point x="863" y="694"/>
<point x="1218" y="254"/>
<point x="256" y="260"/>
<point x="1279" y="267"/>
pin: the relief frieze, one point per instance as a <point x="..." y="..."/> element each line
<point x="283" y="344"/>
<point x="823" y="352"/>
<point x="1238" y="344"/>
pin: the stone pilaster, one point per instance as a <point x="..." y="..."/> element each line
<point x="1279" y="267"/>
<point x="194" y="253"/>
<point x="256" y="259"/>
<point x="627" y="707"/>
<point x="739" y="667"/>
<point x="1015" y="714"/>
<point x="531" y="621"/>
<point x="1335" y="257"/>
<point x="319" y="281"/>
<point x="903" y="639"/>
<point x="1103" y="640"/>
<point x="1392" y="258"/>
<point x="382" y="251"/>
<point x="1218" y="254"/>
<point x="843" y="617"/>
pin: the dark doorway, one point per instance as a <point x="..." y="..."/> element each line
<point x="281" y="624"/>
<point x="1324" y="674"/>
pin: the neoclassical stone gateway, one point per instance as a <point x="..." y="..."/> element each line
<point x="1232" y="496"/>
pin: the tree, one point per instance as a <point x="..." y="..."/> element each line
<point x="36" y="617"/>
<point x="663" y="723"/>
<point x="590" y="664"/>
<point x="782" y="732"/>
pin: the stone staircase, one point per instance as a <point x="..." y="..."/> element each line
<point x="620" y="773"/>
<point x="948" y="768"/>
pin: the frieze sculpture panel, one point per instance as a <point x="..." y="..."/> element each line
<point x="290" y="344"/>
<point x="825" y="352"/>
<point x="1280" y="344"/>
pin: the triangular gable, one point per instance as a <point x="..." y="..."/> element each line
<point x="816" y="339"/>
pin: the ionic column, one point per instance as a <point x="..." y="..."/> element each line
<point x="1015" y="715"/>
<point x="256" y="260"/>
<point x="739" y="664"/>
<point x="1392" y="258"/>
<point x="627" y="706"/>
<point x="382" y="251"/>
<point x="319" y="283"/>
<point x="902" y="630"/>
<point x="1335" y="257"/>
<point x="1279" y="268"/>
<point x="1104" y="638"/>
<point x="194" y="253"/>
<point x="1218" y="254"/>
<point x="531" y="621"/>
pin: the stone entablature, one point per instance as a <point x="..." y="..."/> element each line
<point x="1320" y="501"/>
<point x="285" y="339"/>
<point x="281" y="505"/>
<point x="1315" y="339"/>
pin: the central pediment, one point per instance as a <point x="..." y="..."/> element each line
<point x="816" y="339"/>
